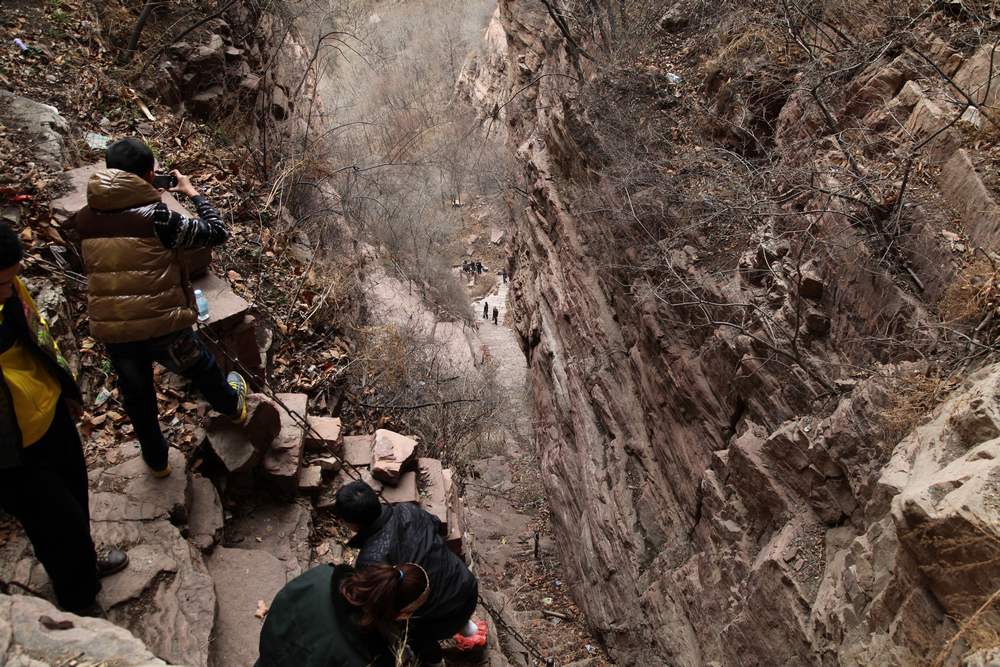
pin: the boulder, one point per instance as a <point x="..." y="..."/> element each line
<point x="392" y="453"/>
<point x="45" y="128"/>
<point x="27" y="641"/>
<point x="283" y="458"/>
<point x="324" y="433"/>
<point x="205" y="517"/>
<point x="243" y="579"/>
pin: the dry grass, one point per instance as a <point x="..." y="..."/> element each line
<point x="913" y="398"/>
<point x="974" y="291"/>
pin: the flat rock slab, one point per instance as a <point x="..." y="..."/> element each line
<point x="280" y="529"/>
<point x="327" y="434"/>
<point x="243" y="578"/>
<point x="230" y="445"/>
<point x="205" y="516"/>
<point x="434" y="496"/>
<point x="224" y="305"/>
<point x="165" y="597"/>
<point x="358" y="450"/>
<point x="88" y="641"/>
<point x="391" y="455"/>
<point x="283" y="459"/>
<point x="404" y="492"/>
<point x="310" y="479"/>
<point x="132" y="478"/>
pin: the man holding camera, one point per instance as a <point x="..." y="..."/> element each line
<point x="138" y="292"/>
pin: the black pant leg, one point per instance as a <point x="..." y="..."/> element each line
<point x="133" y="362"/>
<point x="186" y="354"/>
<point x="44" y="495"/>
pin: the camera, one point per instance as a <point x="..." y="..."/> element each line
<point x="164" y="181"/>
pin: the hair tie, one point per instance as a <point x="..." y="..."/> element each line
<point x="402" y="575"/>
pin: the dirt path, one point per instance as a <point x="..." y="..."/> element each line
<point x="508" y="517"/>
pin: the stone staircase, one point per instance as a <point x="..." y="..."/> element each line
<point x="213" y="543"/>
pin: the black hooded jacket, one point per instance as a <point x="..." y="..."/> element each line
<point x="406" y="533"/>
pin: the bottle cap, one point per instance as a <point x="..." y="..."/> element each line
<point x="197" y="291"/>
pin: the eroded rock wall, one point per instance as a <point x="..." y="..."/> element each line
<point x="721" y="498"/>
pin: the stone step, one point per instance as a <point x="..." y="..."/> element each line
<point x="130" y="476"/>
<point x="433" y="488"/>
<point x="281" y="529"/>
<point x="238" y="448"/>
<point x="392" y="455"/>
<point x="327" y="436"/>
<point x="358" y="450"/>
<point x="404" y="492"/>
<point x="205" y="516"/>
<point x="165" y="596"/>
<point x="243" y="578"/>
<point x="310" y="479"/>
<point x="282" y="460"/>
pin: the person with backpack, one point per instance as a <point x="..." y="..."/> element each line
<point x="43" y="474"/>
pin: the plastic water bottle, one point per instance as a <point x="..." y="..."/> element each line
<point x="202" y="303"/>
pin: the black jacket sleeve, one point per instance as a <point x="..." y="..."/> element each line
<point x="178" y="231"/>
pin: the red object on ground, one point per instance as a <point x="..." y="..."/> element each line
<point x="476" y="641"/>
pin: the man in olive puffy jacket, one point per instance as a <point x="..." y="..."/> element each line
<point x="139" y="297"/>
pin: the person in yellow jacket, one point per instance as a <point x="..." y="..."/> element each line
<point x="43" y="474"/>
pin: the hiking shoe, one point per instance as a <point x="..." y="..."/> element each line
<point x="239" y="385"/>
<point x="474" y="642"/>
<point x="113" y="562"/>
<point x="165" y="472"/>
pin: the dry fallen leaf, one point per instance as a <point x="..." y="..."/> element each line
<point x="323" y="549"/>
<point x="261" y="609"/>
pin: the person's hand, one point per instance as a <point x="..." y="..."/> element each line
<point x="183" y="185"/>
<point x="74" y="408"/>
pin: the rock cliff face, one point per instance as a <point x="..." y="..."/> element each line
<point x="729" y="440"/>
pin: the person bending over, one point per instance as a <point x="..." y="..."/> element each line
<point x="406" y="533"/>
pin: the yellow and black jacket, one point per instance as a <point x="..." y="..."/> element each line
<point x="24" y="333"/>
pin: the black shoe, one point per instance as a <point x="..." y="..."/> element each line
<point x="114" y="561"/>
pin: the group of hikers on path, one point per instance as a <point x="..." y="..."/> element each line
<point x="405" y="584"/>
<point x="486" y="312"/>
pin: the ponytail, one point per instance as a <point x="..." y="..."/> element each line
<point x="384" y="591"/>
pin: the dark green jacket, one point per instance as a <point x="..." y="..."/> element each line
<point x="310" y="624"/>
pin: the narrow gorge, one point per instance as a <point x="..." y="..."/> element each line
<point x="680" y="316"/>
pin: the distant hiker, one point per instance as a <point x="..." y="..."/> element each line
<point x="486" y="310"/>
<point x="496" y="313"/>
<point x="406" y="533"/>
<point x="138" y="293"/>
<point x="503" y="272"/>
<point x="311" y="623"/>
<point x="43" y="475"/>
<point x="479" y="268"/>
